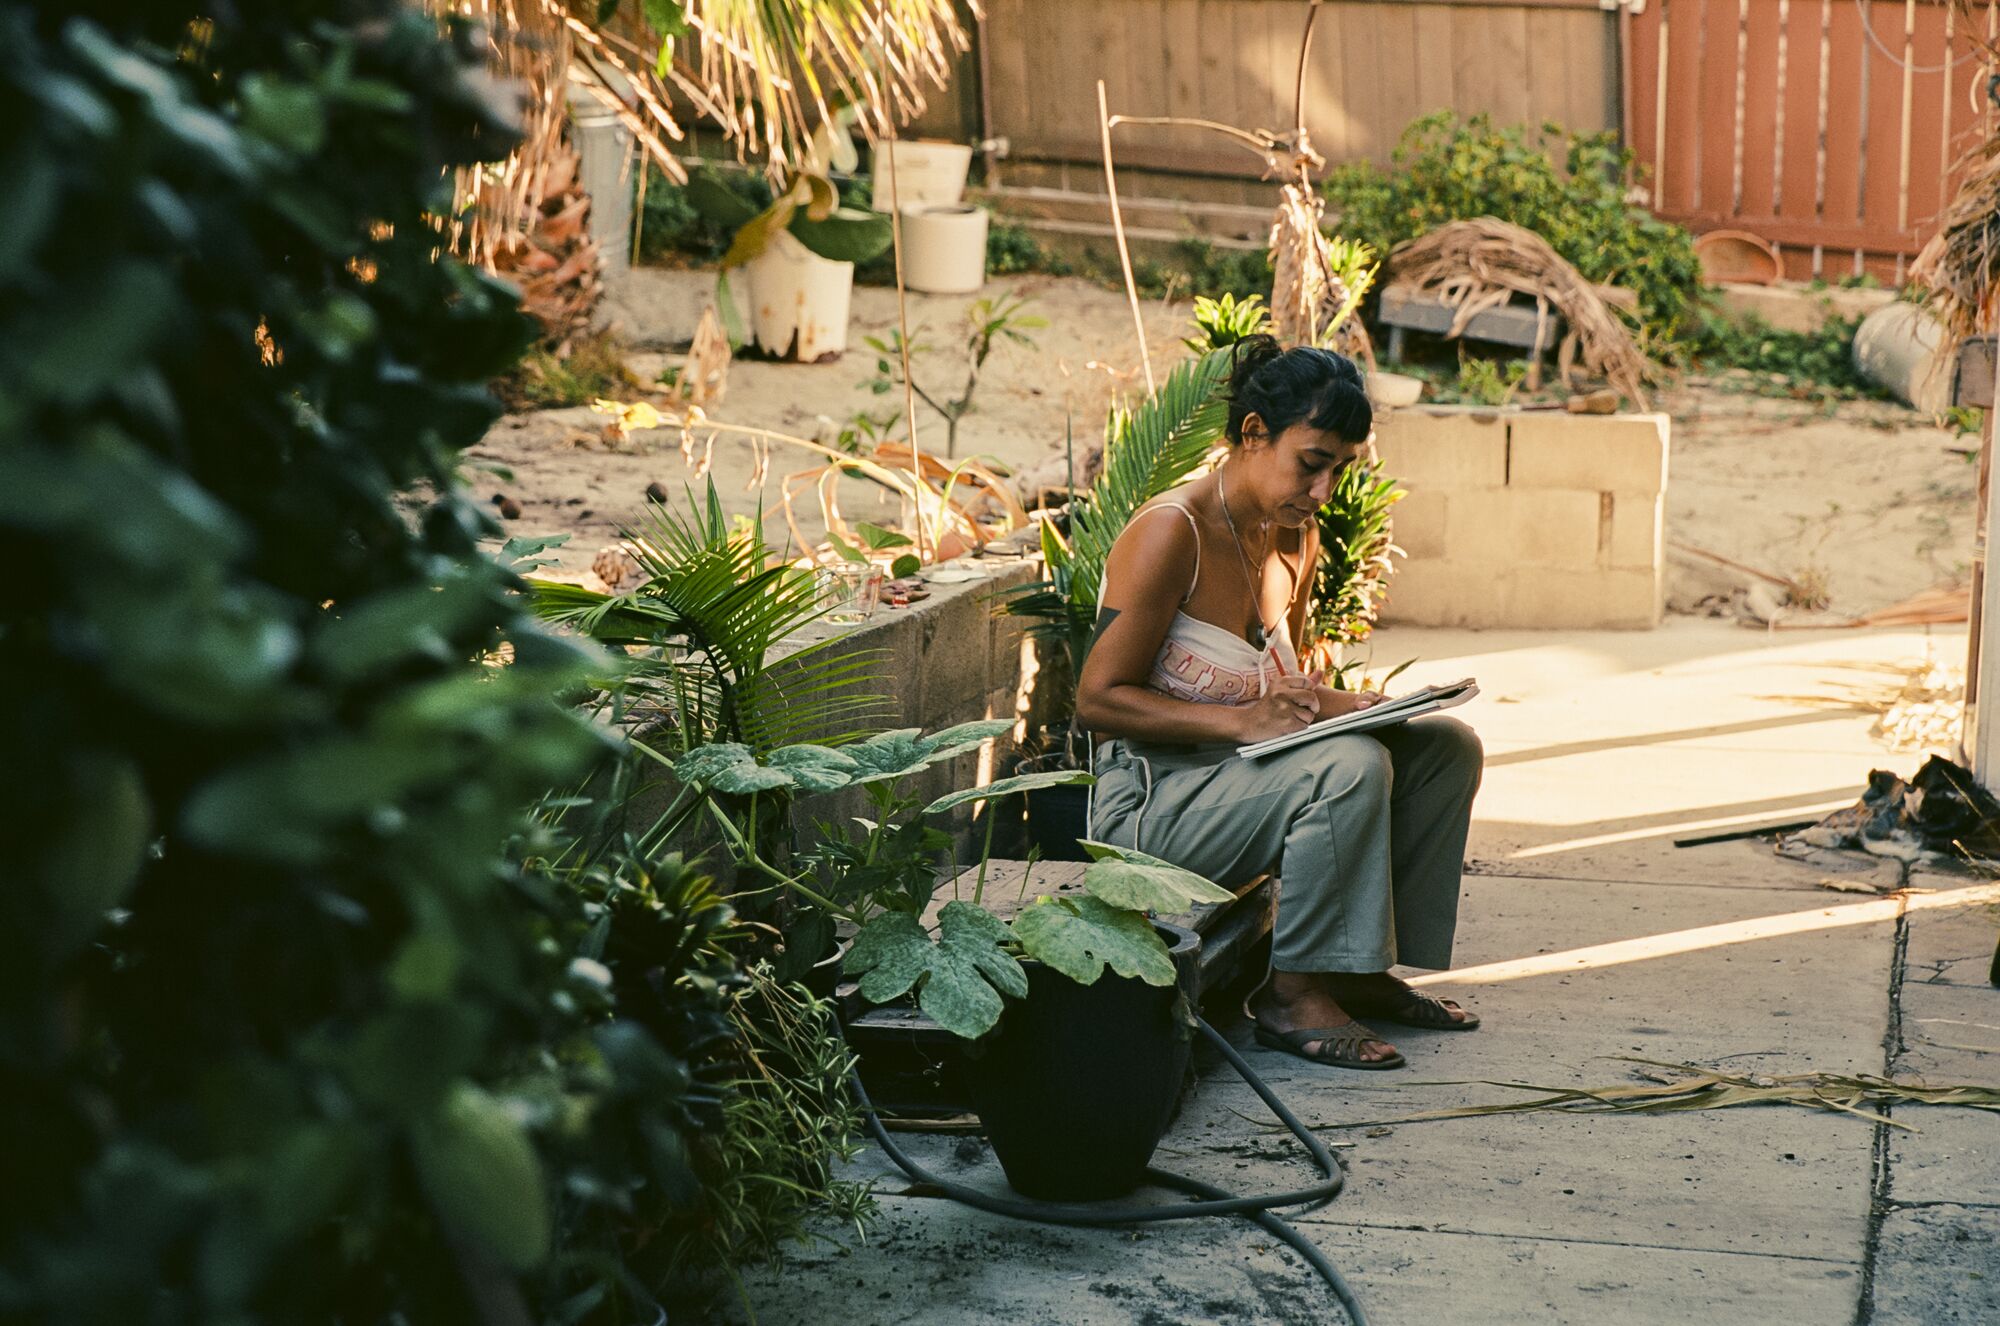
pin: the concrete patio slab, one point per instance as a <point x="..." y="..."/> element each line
<point x="1584" y="936"/>
<point x="1936" y="1268"/>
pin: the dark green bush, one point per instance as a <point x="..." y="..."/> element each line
<point x="1568" y="188"/>
<point x="1816" y="364"/>
<point x="284" y="1034"/>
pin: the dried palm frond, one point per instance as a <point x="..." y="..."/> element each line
<point x="1480" y="264"/>
<point x="1695" y="1088"/>
<point x="1960" y="266"/>
<point x="1316" y="283"/>
<point x="526" y="217"/>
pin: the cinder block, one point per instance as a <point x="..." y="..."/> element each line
<point x="1624" y="453"/>
<point x="1442" y="593"/>
<point x="1509" y="527"/>
<point x="1556" y="597"/>
<point x="1426" y="450"/>
<point x="1636" y="528"/>
<point x="1417" y="524"/>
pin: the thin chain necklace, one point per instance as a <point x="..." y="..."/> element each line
<point x="1258" y="634"/>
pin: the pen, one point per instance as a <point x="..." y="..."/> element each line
<point x="1279" y="663"/>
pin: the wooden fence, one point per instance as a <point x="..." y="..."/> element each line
<point x="1375" y="67"/>
<point x="1826" y="126"/>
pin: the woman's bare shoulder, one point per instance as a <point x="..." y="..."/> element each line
<point x="1156" y="547"/>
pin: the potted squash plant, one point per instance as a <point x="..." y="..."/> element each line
<point x="1078" y="1009"/>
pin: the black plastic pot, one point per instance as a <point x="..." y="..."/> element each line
<point x="1057" y="818"/>
<point x="1078" y="1083"/>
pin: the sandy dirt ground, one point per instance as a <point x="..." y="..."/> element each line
<point x="1864" y="502"/>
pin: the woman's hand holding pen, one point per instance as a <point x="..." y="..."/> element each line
<point x="1288" y="703"/>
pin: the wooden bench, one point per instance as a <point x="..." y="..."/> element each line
<point x="907" y="1060"/>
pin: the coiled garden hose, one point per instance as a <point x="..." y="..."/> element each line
<point x="1212" y="1201"/>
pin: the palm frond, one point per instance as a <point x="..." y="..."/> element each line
<point x="1147" y="450"/>
<point x="714" y="620"/>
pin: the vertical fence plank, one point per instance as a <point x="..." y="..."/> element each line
<point x="1642" y="68"/>
<point x="1006" y="58"/>
<point x="1402" y="65"/>
<point x="1432" y="52"/>
<point x="1361" y="76"/>
<point x="1798" y="193"/>
<point x="1760" y="110"/>
<point x="1927" y="162"/>
<point x="1846" y="106"/>
<point x="1881" y="184"/>
<point x="1715" y="125"/>
<point x="1678" y="190"/>
<point x="1326" y="86"/>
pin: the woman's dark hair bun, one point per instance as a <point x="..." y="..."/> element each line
<point x="1302" y="385"/>
<point x="1250" y="354"/>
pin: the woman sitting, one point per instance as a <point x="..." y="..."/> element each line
<point x="1203" y="596"/>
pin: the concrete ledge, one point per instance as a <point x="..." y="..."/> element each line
<point x="1526" y="518"/>
<point x="1795" y="307"/>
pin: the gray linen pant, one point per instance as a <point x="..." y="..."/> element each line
<point x="1366" y="834"/>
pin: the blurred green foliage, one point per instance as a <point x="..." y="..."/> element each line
<point x="1571" y="189"/>
<point x="1764" y="361"/>
<point x="290" y="1031"/>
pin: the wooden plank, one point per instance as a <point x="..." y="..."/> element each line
<point x="1677" y="186"/>
<point x="1287" y="26"/>
<point x="1510" y="62"/>
<point x="1431" y="45"/>
<point x="1546" y="71"/>
<point x="1759" y="78"/>
<point x="1882" y="154"/>
<point x="1006" y="58"/>
<point x="1715" y="125"/>
<point x="1475" y="85"/>
<point x="1590" y="38"/>
<point x="1361" y="68"/>
<point x="1798" y="169"/>
<point x="1846" y="61"/>
<point x="1642" y="71"/>
<point x="1927" y="165"/>
<point x="1402" y="72"/>
<point x="1326" y="87"/>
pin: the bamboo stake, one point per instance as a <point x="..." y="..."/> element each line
<point x="1118" y="228"/>
<point x="903" y="341"/>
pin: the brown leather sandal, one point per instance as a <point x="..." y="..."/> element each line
<point x="1338" y="1047"/>
<point x="1414" y="1008"/>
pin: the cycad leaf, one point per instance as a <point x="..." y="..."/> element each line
<point x="1079" y="937"/>
<point x="1125" y="878"/>
<point x="959" y="978"/>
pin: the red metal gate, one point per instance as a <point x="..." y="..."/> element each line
<point x="1828" y="127"/>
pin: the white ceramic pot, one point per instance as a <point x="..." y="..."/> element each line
<point x="1390" y="391"/>
<point x="926" y="172"/>
<point x="794" y="301"/>
<point x="944" y="248"/>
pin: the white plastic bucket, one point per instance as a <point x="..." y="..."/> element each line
<point x="926" y="172"/>
<point x="794" y="301"/>
<point x="944" y="248"/>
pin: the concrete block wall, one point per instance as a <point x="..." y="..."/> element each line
<point x="1526" y="518"/>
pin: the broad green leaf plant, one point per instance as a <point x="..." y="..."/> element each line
<point x="963" y="965"/>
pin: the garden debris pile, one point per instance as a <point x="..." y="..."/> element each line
<point x="1942" y="811"/>
<point x="1477" y="265"/>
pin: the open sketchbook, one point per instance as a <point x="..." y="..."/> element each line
<point x="1399" y="710"/>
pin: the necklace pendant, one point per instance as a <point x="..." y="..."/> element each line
<point x="1256" y="636"/>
